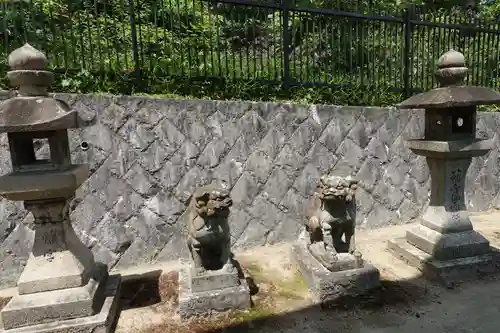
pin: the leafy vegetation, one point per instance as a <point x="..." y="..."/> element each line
<point x="206" y="49"/>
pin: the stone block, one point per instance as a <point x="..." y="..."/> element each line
<point x="216" y="292"/>
<point x="53" y="184"/>
<point x="345" y="262"/>
<point x="44" y="307"/>
<point x="445" y="272"/>
<point x="38" y="278"/>
<point x="213" y="280"/>
<point x="39" y="307"/>
<point x="100" y="322"/>
<point x="448" y="246"/>
<point x="332" y="287"/>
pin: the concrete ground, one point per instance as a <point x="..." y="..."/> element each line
<point x="406" y="302"/>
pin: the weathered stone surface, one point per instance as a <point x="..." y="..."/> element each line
<point x="237" y="144"/>
<point x="444" y="244"/>
<point x="49" y="306"/>
<point x="191" y="303"/>
<point x="332" y="287"/>
<point x="277" y="185"/>
<point x="444" y="271"/>
<point x="213" y="281"/>
<point x="325" y="252"/>
<point x="61" y="280"/>
<point x="208" y="231"/>
<point x="255" y="234"/>
<point x="245" y="190"/>
<point x="99" y="322"/>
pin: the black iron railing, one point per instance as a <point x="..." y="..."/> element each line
<point x="290" y="42"/>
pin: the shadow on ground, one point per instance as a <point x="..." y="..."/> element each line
<point x="149" y="289"/>
<point x="282" y="303"/>
<point x="344" y="316"/>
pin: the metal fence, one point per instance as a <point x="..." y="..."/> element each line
<point x="290" y="42"/>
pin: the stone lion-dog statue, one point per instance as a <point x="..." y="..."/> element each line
<point x="208" y="229"/>
<point x="332" y="220"/>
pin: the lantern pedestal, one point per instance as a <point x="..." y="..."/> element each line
<point x="444" y="271"/>
<point x="91" y="308"/>
<point x="444" y="246"/>
<point x="61" y="288"/>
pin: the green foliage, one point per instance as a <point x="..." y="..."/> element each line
<point x="85" y="82"/>
<point x="184" y="44"/>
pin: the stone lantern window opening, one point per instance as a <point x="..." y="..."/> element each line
<point x="454" y="124"/>
<point x="23" y="151"/>
<point x="463" y="124"/>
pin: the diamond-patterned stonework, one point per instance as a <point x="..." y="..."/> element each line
<point x="147" y="156"/>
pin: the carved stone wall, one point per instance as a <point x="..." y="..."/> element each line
<point x="148" y="155"/>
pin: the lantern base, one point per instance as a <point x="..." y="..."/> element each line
<point x="446" y="272"/>
<point x="447" y="246"/>
<point x="102" y="321"/>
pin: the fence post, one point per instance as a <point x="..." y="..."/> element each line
<point x="285" y="5"/>
<point x="408" y="15"/>
<point x="135" y="47"/>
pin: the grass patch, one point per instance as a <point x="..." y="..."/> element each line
<point x="231" y="89"/>
<point x="259" y="311"/>
<point x="217" y="323"/>
<point x="277" y="286"/>
<point x="294" y="288"/>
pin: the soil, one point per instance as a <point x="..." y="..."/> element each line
<point x="279" y="296"/>
<point x="405" y="302"/>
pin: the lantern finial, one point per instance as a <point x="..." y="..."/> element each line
<point x="27" y="58"/>
<point x="451" y="69"/>
<point x="29" y="73"/>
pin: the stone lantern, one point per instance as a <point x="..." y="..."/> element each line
<point x="444" y="244"/>
<point x="62" y="288"/>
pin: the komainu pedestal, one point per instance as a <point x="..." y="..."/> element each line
<point x="210" y="281"/>
<point x="62" y="288"/>
<point x="325" y="252"/>
<point x="444" y="245"/>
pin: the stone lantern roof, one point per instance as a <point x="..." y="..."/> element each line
<point x="451" y="92"/>
<point x="33" y="109"/>
<point x="34" y="115"/>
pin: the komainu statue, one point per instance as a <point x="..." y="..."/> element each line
<point x="208" y="229"/>
<point x="211" y="281"/>
<point x="325" y="252"/>
<point x="331" y="223"/>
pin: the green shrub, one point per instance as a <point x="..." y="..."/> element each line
<point x="207" y="49"/>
